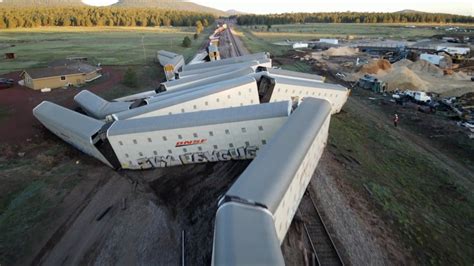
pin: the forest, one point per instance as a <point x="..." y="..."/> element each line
<point x="352" y="17"/>
<point x="99" y="16"/>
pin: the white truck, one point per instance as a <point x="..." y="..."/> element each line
<point x="421" y="96"/>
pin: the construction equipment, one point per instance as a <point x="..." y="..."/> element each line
<point x="401" y="52"/>
<point x="369" y="82"/>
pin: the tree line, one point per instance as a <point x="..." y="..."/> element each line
<point x="99" y="16"/>
<point x="352" y="17"/>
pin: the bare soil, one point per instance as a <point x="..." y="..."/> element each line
<point x="19" y="101"/>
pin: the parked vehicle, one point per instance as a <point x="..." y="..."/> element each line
<point x="421" y="96"/>
<point x="6" y="83"/>
<point x="467" y="124"/>
<point x="369" y="82"/>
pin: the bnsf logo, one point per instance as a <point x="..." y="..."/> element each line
<point x="190" y="142"/>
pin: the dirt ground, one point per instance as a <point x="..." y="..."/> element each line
<point x="19" y="102"/>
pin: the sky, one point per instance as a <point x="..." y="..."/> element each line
<point x="462" y="7"/>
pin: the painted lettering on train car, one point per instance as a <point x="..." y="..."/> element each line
<point x="242" y="153"/>
<point x="190" y="142"/>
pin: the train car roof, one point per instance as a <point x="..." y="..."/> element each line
<point x="245" y="235"/>
<point x="267" y="178"/>
<point x="237" y="72"/>
<point x="97" y="107"/>
<point x="232" y="60"/>
<point x="201" y="118"/>
<point x="200" y="71"/>
<point x="307" y="83"/>
<point x="294" y="74"/>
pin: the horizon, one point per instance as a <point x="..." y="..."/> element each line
<point x="459" y="7"/>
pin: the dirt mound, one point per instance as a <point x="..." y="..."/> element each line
<point x="403" y="62"/>
<point x="426" y="67"/>
<point x="341" y="51"/>
<point x="375" y="66"/>
<point x="403" y="78"/>
<point x="460" y="76"/>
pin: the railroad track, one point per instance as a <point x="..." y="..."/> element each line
<point x="236" y="47"/>
<point x="316" y="231"/>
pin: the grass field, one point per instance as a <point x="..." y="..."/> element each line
<point x="320" y="30"/>
<point x="257" y="38"/>
<point x="255" y="43"/>
<point x="108" y="46"/>
<point x="431" y="209"/>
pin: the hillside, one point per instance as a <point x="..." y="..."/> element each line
<point x="408" y="11"/>
<point x="41" y="3"/>
<point x="170" y="4"/>
<point x="233" y="12"/>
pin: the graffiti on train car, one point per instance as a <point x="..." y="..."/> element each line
<point x="242" y="153"/>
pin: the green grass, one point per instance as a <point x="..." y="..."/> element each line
<point x="19" y="218"/>
<point x="299" y="67"/>
<point x="312" y="31"/>
<point x="257" y="44"/>
<point x="27" y="206"/>
<point x="430" y="209"/>
<point x="108" y="46"/>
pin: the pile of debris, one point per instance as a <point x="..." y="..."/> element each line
<point x="403" y="78"/>
<point x="341" y="51"/>
<point x="467" y="100"/>
<point x="374" y="67"/>
<point x="423" y="66"/>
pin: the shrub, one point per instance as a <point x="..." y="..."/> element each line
<point x="187" y="42"/>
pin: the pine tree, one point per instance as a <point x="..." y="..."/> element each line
<point x="187" y="42"/>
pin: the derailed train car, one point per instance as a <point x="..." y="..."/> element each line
<point x="211" y="90"/>
<point x="274" y="116"/>
<point x="197" y="137"/>
<point x="256" y="212"/>
<point x="252" y="87"/>
<point x="161" y="141"/>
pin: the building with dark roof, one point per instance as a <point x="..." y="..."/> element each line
<point x="61" y="73"/>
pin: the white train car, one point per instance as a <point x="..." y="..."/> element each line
<point x="227" y="61"/>
<point x="198" y="137"/>
<point x="245" y="235"/>
<point x="97" y="107"/>
<point x="273" y="185"/>
<point x="232" y="93"/>
<point x="201" y="80"/>
<point x="199" y="58"/>
<point x="275" y="72"/>
<point x="74" y="128"/>
<point x="187" y="78"/>
<point x="281" y="88"/>
<point x="200" y="71"/>
<point x="171" y="62"/>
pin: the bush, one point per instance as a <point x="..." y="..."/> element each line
<point x="196" y="36"/>
<point x="187" y="42"/>
<point x="130" y="78"/>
